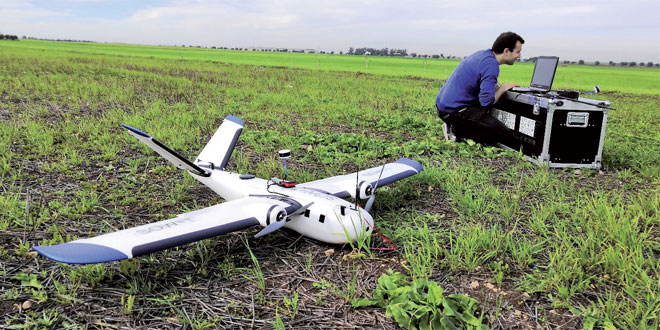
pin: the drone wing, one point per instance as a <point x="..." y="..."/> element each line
<point x="185" y="228"/>
<point x="343" y="186"/>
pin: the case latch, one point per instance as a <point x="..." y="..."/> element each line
<point x="537" y="106"/>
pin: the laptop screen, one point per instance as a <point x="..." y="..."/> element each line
<point x="544" y="72"/>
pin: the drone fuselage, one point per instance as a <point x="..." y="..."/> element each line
<point x="328" y="219"/>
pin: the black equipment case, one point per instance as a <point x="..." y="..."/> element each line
<point x="551" y="129"/>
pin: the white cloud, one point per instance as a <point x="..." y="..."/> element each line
<point x="23" y="10"/>
<point x="572" y="29"/>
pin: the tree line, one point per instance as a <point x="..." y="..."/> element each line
<point x="377" y="52"/>
<point x="612" y="63"/>
<point x="62" y="40"/>
<point x="597" y="63"/>
<point x="8" y="37"/>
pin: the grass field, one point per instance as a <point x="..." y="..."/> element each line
<point x="536" y="247"/>
<point x="581" y="77"/>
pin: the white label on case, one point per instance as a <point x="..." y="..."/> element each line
<point x="507" y="118"/>
<point x="527" y="126"/>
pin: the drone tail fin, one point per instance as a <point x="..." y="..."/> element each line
<point x="218" y="150"/>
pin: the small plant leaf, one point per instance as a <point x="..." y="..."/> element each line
<point x="28" y="280"/>
<point x="364" y="302"/>
<point x="435" y="294"/>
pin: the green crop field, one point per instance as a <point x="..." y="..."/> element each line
<point x="630" y="80"/>
<point x="499" y="241"/>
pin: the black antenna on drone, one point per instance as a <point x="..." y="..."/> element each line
<point x="284" y="155"/>
<point x="357" y="185"/>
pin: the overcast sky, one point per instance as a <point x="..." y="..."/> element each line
<point x="577" y="29"/>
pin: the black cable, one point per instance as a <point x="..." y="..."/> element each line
<point x="583" y="102"/>
<point x="568" y="99"/>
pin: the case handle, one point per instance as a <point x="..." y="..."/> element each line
<point x="577" y="119"/>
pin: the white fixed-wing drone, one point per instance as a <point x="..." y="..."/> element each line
<point x="315" y="209"/>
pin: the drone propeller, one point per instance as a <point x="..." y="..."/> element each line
<point x="271" y="228"/>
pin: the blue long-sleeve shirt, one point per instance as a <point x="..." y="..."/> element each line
<point x="472" y="83"/>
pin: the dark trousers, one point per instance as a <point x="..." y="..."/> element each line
<point x="476" y="123"/>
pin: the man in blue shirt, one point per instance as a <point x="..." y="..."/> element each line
<point x="465" y="100"/>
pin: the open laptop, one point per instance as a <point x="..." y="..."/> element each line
<point x="544" y="74"/>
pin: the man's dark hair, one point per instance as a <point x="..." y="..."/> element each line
<point x="506" y="40"/>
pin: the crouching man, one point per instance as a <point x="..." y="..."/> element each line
<point x="465" y="100"/>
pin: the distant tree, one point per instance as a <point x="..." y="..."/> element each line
<point x="642" y="64"/>
<point x="657" y="65"/>
<point x="623" y="63"/>
<point x="597" y="63"/>
<point x="442" y="55"/>
<point x="649" y="64"/>
<point x="632" y="64"/>
<point x="612" y="63"/>
<point x="567" y="62"/>
<point x="413" y="54"/>
<point x="350" y="50"/>
<point x="341" y="52"/>
<point x="435" y="56"/>
<point x="581" y="62"/>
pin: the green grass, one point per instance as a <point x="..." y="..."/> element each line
<point x="583" y="245"/>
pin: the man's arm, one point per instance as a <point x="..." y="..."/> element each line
<point x="487" y="92"/>
<point x="500" y="89"/>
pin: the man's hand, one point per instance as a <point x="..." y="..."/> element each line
<point x="500" y="89"/>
